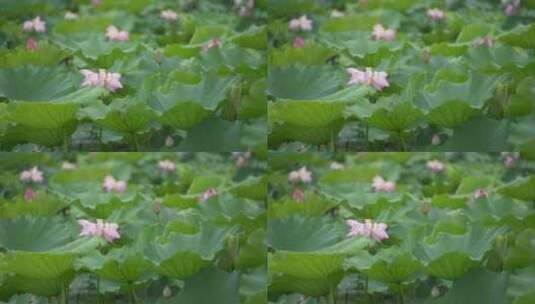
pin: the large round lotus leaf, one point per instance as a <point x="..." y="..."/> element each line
<point x="210" y="286"/>
<point x="35" y="83"/>
<point x="254" y="252"/>
<point x="42" y="205"/>
<point x="360" y="44"/>
<point x="396" y="117"/>
<point x="350" y="23"/>
<point x="38" y="265"/>
<point x="522" y="189"/>
<point x="254" y="188"/>
<point x="280" y="284"/>
<point x="255" y="38"/>
<point x="34" y="234"/>
<point x="184" y="255"/>
<point x="80" y="175"/>
<point x="226" y="209"/>
<point x="312" y="205"/>
<point x="449" y="201"/>
<point x="311" y="53"/>
<point x="303" y="233"/>
<point x="214" y="134"/>
<point x="522" y="253"/>
<point x="390" y="265"/>
<point x="102" y="206"/>
<point x="254" y="105"/>
<point x="43" y="287"/>
<point x="45" y="55"/>
<point x="282" y="8"/>
<point x="201" y="183"/>
<point x="183" y="115"/>
<point x="83" y="24"/>
<point x="306" y="265"/>
<point x="479" y="134"/>
<point x="125" y="115"/>
<point x="522" y="36"/>
<point x="281" y="133"/>
<point x="477" y="286"/>
<point x="122" y="265"/>
<point x="304" y="82"/>
<point x="93" y="45"/>
<point x="521" y="286"/>
<point x="313" y="114"/>
<point x="180" y="201"/>
<point x="450" y="256"/>
<point x="253" y="286"/>
<point x="234" y="57"/>
<point x="207" y="32"/>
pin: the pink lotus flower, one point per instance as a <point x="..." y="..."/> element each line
<point x="31" y="44"/>
<point x="509" y="159"/>
<point x="35" y="24"/>
<point x="377" y="231"/>
<point x="95" y="3"/>
<point x="114" y="34"/>
<point x="336" y="166"/>
<point x="301" y="175"/>
<point x="32" y="175"/>
<point x="70" y="15"/>
<point x="298" y="195"/>
<point x="111" y="184"/>
<point x="337" y="14"/>
<point x="208" y="193"/>
<point x="244" y="6"/>
<point x="484" y="41"/>
<point x="480" y="193"/>
<point x="369" y="78"/>
<point x="302" y="23"/>
<point x="380" y="33"/>
<point x="169" y="15"/>
<point x="107" y="231"/>
<point x="110" y="81"/>
<point x="67" y="166"/>
<point x="435" y="14"/>
<point x="241" y="158"/>
<point x="166" y="165"/>
<point x="512" y="7"/>
<point x="381" y="185"/>
<point x="29" y="195"/>
<point x="214" y="42"/>
<point x="435" y="166"/>
<point x="298" y="42"/>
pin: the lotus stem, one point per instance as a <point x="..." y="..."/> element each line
<point x="401" y="296"/>
<point x="98" y="290"/>
<point x="332" y="295"/>
<point x="136" y="142"/>
<point x="366" y="288"/>
<point x="402" y="141"/>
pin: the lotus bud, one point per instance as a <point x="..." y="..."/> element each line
<point x="167" y="292"/>
<point x="435" y="291"/>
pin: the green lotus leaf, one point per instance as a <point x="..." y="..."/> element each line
<point x="389" y="265"/>
<point x="254" y="188"/>
<point x="229" y="210"/>
<point x="83" y="24"/>
<point x="45" y="55"/>
<point x="312" y="53"/>
<point x="94" y="45"/>
<point x="254" y="105"/>
<point x="361" y="45"/>
<point x="473" y="31"/>
<point x="281" y="133"/>
<point x="131" y="6"/>
<point x="126" y="116"/>
<point x="253" y="253"/>
<point x="521" y="286"/>
<point x="522" y="189"/>
<point x="102" y="206"/>
<point x="448" y="49"/>
<point x="124" y="265"/>
<point x="180" y="201"/>
<point x="184" y="255"/>
<point x="450" y="256"/>
<point x="38" y="265"/>
<point x="43" y="287"/>
<point x="34" y="234"/>
<point x="239" y="59"/>
<point x="181" y="50"/>
<point x="304" y="82"/>
<point x="522" y="36"/>
<point x="395" y="116"/>
<point x="253" y="38"/>
<point x="213" y="134"/>
<point x="479" y="134"/>
<point x="42" y="205"/>
<point x="280" y="284"/>
<point x="253" y="286"/>
<point x="348" y="23"/>
<point x="490" y="287"/>
<point x="449" y="201"/>
<point x="211" y="286"/>
<point x="207" y="32"/>
<point x="202" y="183"/>
<point x="35" y="83"/>
<point x="469" y="184"/>
<point x="280" y="8"/>
<point x="521" y="103"/>
<point x="522" y="253"/>
<point x="312" y="205"/>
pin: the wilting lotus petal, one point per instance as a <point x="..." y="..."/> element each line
<point x="301" y="175"/>
<point x="381" y="185"/>
<point x="32" y="175"/>
<point x="208" y="193"/>
<point x="169" y="15"/>
<point x="435" y="166"/>
<point x="166" y="165"/>
<point x="214" y="42"/>
<point x="435" y="14"/>
<point x="380" y="33"/>
<point x="114" y="34"/>
<point x="302" y="23"/>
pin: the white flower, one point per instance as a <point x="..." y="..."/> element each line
<point x="435" y="166"/>
<point x="302" y="175"/>
<point x="369" y="77"/>
<point x="70" y="15"/>
<point x="32" y="175"/>
<point x="169" y="15"/>
<point x="302" y="23"/>
<point x="166" y="165"/>
<point x="35" y="24"/>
